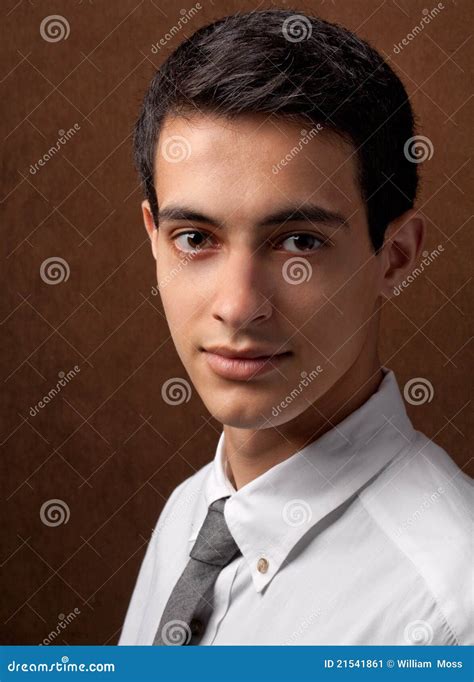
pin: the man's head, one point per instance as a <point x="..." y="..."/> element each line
<point x="274" y="142"/>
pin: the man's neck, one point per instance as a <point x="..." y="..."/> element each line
<point x="251" y="452"/>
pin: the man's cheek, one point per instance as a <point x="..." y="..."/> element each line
<point x="355" y="312"/>
<point x="334" y="324"/>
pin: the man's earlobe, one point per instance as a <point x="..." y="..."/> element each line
<point x="402" y="250"/>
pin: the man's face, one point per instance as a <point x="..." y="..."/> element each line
<point x="263" y="243"/>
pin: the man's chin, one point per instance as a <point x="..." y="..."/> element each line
<point x="243" y="415"/>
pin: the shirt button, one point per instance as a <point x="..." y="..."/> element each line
<point x="196" y="626"/>
<point x="262" y="565"/>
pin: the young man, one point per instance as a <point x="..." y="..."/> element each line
<point x="273" y="153"/>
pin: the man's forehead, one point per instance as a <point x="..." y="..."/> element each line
<point x="211" y="153"/>
<point x="206" y="128"/>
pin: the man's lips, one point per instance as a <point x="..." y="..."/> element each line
<point x="251" y="352"/>
<point x="244" y="368"/>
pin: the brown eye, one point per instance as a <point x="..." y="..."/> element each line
<point x="190" y="241"/>
<point x="303" y="242"/>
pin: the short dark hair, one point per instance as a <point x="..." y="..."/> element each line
<point x="293" y="65"/>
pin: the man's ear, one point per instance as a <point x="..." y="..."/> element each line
<point x="402" y="249"/>
<point x="150" y="226"/>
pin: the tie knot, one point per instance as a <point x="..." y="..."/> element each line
<point x="219" y="504"/>
<point x="214" y="544"/>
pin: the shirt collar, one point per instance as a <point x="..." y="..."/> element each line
<point x="269" y="515"/>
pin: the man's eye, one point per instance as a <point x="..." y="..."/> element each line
<point x="190" y="241"/>
<point x="303" y="242"/>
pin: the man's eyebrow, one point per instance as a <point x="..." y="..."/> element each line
<point x="310" y="213"/>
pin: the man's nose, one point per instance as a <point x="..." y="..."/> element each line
<point x="242" y="293"/>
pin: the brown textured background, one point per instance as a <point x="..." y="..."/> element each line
<point x="108" y="446"/>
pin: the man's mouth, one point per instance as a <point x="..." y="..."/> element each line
<point x="242" y="367"/>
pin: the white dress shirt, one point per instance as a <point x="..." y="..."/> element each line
<point x="365" y="535"/>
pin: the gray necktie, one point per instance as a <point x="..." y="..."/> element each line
<point x="213" y="549"/>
